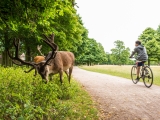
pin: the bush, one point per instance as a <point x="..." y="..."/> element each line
<point x="22" y="96"/>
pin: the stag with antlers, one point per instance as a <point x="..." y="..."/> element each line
<point x="55" y="62"/>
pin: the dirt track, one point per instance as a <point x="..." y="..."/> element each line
<point x="119" y="98"/>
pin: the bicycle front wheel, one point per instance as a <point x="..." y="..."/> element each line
<point x="148" y="77"/>
<point x="134" y="74"/>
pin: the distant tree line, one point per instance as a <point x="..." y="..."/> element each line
<point x="119" y="55"/>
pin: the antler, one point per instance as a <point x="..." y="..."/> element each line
<point x="50" y="38"/>
<point x="39" y="49"/>
<point x="31" y="70"/>
<point x="53" y="46"/>
<point x="16" y="45"/>
<point x="54" y="49"/>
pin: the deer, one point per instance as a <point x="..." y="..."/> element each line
<point x="56" y="62"/>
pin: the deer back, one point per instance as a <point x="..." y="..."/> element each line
<point x="63" y="61"/>
<point x="38" y="59"/>
<point x="67" y="58"/>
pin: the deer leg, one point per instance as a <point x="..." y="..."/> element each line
<point x="61" y="76"/>
<point x="47" y="75"/>
<point x="47" y="80"/>
<point x="70" y="72"/>
<point x="67" y="73"/>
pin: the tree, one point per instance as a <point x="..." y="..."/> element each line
<point x="28" y="20"/>
<point x="89" y="51"/>
<point x="101" y="55"/>
<point x="150" y="39"/>
<point x="147" y="35"/>
<point x="92" y="53"/>
<point x="120" y="53"/>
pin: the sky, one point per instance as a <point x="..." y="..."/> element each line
<point x="111" y="20"/>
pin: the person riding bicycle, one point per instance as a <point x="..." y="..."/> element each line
<point x="142" y="56"/>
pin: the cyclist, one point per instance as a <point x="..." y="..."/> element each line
<point x="142" y="56"/>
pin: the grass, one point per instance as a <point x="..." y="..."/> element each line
<point x="24" y="97"/>
<point x="121" y="71"/>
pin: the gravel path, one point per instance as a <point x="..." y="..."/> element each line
<point x="119" y="98"/>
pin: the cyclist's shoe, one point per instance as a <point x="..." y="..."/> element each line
<point x="137" y="79"/>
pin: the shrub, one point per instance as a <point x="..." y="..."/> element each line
<point x="23" y="96"/>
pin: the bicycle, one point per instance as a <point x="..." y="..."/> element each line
<point x="145" y="73"/>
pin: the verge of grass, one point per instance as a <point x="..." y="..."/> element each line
<point x="121" y="71"/>
<point x="24" y="97"/>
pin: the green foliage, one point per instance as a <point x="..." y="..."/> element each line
<point x="25" y="97"/>
<point x="28" y="20"/>
<point x="90" y="52"/>
<point x="150" y="39"/>
<point x="147" y="35"/>
<point x="153" y="49"/>
<point x="120" y="54"/>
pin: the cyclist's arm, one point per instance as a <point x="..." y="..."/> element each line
<point x="133" y="53"/>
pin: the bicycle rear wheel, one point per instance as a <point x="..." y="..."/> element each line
<point x="134" y="74"/>
<point x="148" y="77"/>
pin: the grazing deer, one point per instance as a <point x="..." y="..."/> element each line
<point x="55" y="62"/>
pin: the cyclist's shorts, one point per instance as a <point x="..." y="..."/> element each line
<point x="140" y="63"/>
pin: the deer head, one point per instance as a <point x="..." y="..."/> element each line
<point x="40" y="67"/>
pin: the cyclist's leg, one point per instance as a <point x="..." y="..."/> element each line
<point x="138" y="71"/>
<point x="139" y="64"/>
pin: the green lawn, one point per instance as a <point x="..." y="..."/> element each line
<point x="121" y="71"/>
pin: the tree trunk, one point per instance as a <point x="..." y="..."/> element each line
<point x="6" y="61"/>
<point x="88" y="63"/>
<point x="28" y="54"/>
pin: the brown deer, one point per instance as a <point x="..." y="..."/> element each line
<point x="55" y="62"/>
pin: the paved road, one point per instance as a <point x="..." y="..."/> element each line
<point x="118" y="98"/>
